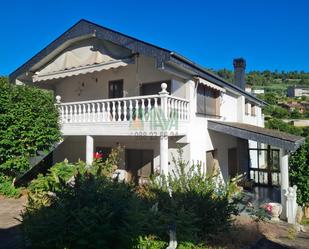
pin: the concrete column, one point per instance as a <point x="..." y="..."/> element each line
<point x="240" y="108"/>
<point x="248" y="109"/>
<point x="164" y="155"/>
<point x="284" y="171"/>
<point x="89" y="149"/>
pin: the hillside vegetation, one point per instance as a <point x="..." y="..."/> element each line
<point x="270" y="80"/>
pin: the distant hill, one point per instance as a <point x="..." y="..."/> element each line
<point x="269" y="80"/>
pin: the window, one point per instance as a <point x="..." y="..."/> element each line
<point x="115" y="89"/>
<point x="208" y="101"/>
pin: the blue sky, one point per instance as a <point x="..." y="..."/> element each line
<point x="268" y="34"/>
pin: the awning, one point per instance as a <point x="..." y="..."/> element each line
<point x="259" y="134"/>
<point x="80" y="70"/>
<point x="211" y="85"/>
<point x="83" y="57"/>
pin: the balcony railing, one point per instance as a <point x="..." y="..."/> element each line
<point x="125" y="109"/>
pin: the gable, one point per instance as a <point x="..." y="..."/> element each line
<point x="82" y="57"/>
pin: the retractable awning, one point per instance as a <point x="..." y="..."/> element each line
<point x="87" y="56"/>
<point x="80" y="70"/>
<point x="259" y="134"/>
<point x="211" y="85"/>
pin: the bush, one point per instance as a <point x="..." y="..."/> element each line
<point x="7" y="188"/>
<point x="29" y="123"/>
<point x="150" y="242"/>
<point x="91" y="210"/>
<point x="95" y="213"/>
<point x="196" y="204"/>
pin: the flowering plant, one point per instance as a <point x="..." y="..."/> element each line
<point x="268" y="208"/>
<point x="97" y="155"/>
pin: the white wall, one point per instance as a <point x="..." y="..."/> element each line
<point x="229" y="105"/>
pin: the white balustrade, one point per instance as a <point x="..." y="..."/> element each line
<point x="124" y="109"/>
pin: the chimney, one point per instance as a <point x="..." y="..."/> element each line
<point x="240" y="72"/>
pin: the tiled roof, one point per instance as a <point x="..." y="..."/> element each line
<point x="263" y="135"/>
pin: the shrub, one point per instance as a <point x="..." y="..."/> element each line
<point x="95" y="211"/>
<point x="91" y="211"/>
<point x="196" y="204"/>
<point x="150" y="242"/>
<point x="7" y="188"/>
<point x="28" y="124"/>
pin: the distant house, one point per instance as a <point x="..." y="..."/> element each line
<point x="297" y="122"/>
<point x="298" y="91"/>
<point x="254" y="91"/>
<point x="301" y="123"/>
<point x="258" y="91"/>
<point x="112" y="89"/>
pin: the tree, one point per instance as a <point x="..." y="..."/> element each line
<point x="296" y="114"/>
<point x="28" y="124"/>
<point x="270" y="98"/>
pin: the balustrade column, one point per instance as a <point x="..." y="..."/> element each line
<point x="164" y="99"/>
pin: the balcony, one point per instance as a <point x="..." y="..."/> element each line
<point x="150" y="115"/>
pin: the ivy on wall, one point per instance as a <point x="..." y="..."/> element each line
<point x="28" y="124"/>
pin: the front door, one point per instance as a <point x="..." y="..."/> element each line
<point x="139" y="165"/>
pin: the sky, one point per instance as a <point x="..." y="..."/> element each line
<point x="270" y="35"/>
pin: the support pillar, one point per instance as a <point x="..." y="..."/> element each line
<point x="164" y="155"/>
<point x="284" y="171"/>
<point x="89" y="149"/>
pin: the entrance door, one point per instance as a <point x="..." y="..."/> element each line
<point x="139" y="165"/>
<point x="232" y="162"/>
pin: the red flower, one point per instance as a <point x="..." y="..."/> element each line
<point x="268" y="208"/>
<point x="98" y="155"/>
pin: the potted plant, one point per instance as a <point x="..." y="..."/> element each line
<point x="274" y="209"/>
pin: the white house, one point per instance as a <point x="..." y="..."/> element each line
<point x="115" y="89"/>
<point x="298" y="91"/>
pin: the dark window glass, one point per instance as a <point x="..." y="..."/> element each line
<point x="201" y="99"/>
<point x="207" y="100"/>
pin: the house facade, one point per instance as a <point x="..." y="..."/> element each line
<point x="112" y="89"/>
<point x="297" y="91"/>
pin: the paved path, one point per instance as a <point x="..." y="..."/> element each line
<point x="10" y="234"/>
